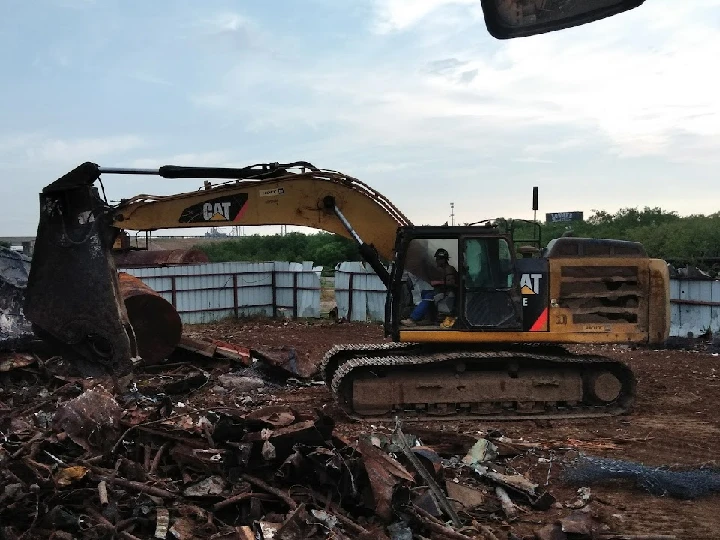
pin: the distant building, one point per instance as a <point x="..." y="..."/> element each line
<point x="215" y="233"/>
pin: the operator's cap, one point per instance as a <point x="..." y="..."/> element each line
<point x="442" y="254"/>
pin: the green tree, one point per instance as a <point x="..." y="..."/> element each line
<point x="323" y="249"/>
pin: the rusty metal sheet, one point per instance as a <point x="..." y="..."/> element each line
<point x="468" y="497"/>
<point x="161" y="257"/>
<point x="272" y="415"/>
<point x="384" y="473"/>
<point x="14" y="360"/>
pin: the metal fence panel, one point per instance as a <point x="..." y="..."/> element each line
<point x="695" y="307"/>
<point x="204" y="293"/>
<point x="359" y="293"/>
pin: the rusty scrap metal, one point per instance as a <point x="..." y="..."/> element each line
<point x="139" y="258"/>
<point x="274" y="491"/>
<point x="154" y="320"/>
<point x="468" y="497"/>
<point x="434" y="488"/>
<point x="437" y="526"/>
<point x="102" y="493"/>
<point x="15" y="360"/>
<point x="188" y="465"/>
<point x="91" y="419"/>
<point x="385" y="474"/>
<point x="137" y="486"/>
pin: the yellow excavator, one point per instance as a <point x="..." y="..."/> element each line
<point x="489" y="344"/>
<point x="489" y="347"/>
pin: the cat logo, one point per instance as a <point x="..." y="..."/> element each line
<point x="226" y="208"/>
<point x="530" y="283"/>
<point x="219" y="211"/>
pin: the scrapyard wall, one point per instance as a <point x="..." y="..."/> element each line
<point x="359" y="293"/>
<point x="204" y="293"/>
<point x="695" y="307"/>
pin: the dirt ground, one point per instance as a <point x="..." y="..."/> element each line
<point x="170" y="409"/>
<point x="675" y="422"/>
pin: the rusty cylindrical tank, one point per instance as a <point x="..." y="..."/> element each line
<point x="155" y="321"/>
<point x="142" y="257"/>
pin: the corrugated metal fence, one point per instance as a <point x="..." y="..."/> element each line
<point x="208" y="292"/>
<point x="695" y="307"/>
<point x="359" y="293"/>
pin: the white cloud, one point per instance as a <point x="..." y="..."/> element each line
<point x="398" y="15"/>
<point x="224" y="22"/>
<point x="213" y="158"/>
<point x="639" y="80"/>
<point x="39" y="148"/>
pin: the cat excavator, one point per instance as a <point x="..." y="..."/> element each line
<point x="493" y="348"/>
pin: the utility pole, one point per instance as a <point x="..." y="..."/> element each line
<point x="452" y="213"/>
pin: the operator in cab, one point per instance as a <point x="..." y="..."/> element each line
<point x="442" y="295"/>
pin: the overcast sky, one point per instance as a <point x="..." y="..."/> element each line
<point x="412" y="96"/>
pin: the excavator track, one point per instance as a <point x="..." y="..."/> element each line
<point x="421" y="382"/>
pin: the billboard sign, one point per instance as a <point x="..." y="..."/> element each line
<point x="563" y="217"/>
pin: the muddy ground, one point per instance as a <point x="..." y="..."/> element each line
<point x="676" y="422"/>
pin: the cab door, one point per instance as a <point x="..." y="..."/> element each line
<point x="490" y="295"/>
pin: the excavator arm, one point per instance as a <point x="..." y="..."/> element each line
<point x="311" y="198"/>
<point x="73" y="297"/>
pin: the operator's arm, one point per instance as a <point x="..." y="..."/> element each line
<point x="451" y="274"/>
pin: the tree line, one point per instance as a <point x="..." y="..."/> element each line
<point x="324" y="249"/>
<point x="691" y="239"/>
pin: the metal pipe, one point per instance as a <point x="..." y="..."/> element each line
<point x="347" y="225"/>
<point x="125" y="170"/>
<point x="155" y="321"/>
<point x="367" y="252"/>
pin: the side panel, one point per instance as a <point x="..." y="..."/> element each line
<point x="659" y="313"/>
<point x="532" y="279"/>
<point x="600" y="295"/>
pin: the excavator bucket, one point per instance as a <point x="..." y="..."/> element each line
<point x="72" y="298"/>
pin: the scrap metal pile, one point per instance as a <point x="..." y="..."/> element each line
<point x="212" y="445"/>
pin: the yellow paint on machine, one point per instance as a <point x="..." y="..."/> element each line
<point x="458" y="336"/>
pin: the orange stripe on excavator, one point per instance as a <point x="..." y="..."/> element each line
<point x="540" y="324"/>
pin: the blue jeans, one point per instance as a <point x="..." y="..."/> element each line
<point x="423" y="308"/>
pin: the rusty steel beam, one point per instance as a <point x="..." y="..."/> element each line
<point x="685" y="302"/>
<point x="155" y="321"/>
<point x="140" y="258"/>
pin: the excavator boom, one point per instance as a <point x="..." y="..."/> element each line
<point x="73" y="298"/>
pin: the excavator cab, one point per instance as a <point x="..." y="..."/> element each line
<point x="490" y="288"/>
